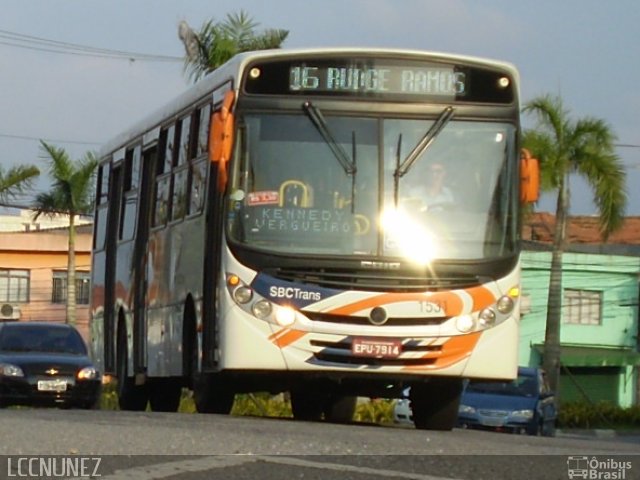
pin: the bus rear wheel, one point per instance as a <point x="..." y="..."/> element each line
<point x="435" y="403"/>
<point x="164" y="394"/>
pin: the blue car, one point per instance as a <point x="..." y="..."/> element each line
<point x="524" y="405"/>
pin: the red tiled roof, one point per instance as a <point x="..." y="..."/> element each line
<point x="539" y="227"/>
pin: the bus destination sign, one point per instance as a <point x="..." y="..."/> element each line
<point x="438" y="81"/>
<point x="380" y="79"/>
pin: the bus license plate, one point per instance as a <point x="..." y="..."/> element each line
<point x="52" y="385"/>
<point x="368" y="347"/>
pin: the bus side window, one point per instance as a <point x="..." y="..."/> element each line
<point x="161" y="209"/>
<point x="102" y="205"/>
<point x="180" y="192"/>
<point x="163" y="177"/>
<point x="202" y="147"/>
<point x="129" y="203"/>
<point x="199" y="162"/>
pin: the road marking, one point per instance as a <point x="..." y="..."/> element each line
<point x="169" y="469"/>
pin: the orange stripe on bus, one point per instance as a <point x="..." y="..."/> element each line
<point x="286" y="337"/>
<point x="450" y="301"/>
<point x="482" y="297"/>
<point x="453" y="350"/>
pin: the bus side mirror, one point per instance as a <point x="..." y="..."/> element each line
<point x="221" y="137"/>
<point x="529" y="177"/>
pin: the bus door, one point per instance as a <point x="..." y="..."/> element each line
<point x="222" y="100"/>
<point x="111" y="246"/>
<point x="139" y="260"/>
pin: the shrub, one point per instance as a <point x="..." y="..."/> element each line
<point x="597" y="415"/>
<point x="263" y="404"/>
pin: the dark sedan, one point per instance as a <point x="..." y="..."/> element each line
<point x="46" y="364"/>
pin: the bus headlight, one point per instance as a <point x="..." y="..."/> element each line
<point x="505" y="305"/>
<point x="465" y="323"/>
<point x="487" y="317"/>
<point x="262" y="309"/>
<point x="285" y="316"/>
<point x="243" y="294"/>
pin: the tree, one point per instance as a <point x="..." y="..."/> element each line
<point x="16" y="180"/>
<point x="71" y="194"/>
<point x="584" y="147"/>
<point x="217" y="42"/>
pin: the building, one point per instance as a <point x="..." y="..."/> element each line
<point x="599" y="330"/>
<point x="22" y="220"/>
<point x="33" y="273"/>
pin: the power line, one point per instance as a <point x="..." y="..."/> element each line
<point x="30" y="42"/>
<point x="51" y="140"/>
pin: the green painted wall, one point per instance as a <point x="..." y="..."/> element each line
<point x="615" y="276"/>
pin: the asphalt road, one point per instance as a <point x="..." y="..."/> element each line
<point x="186" y="446"/>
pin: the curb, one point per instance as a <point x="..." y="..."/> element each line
<point x="597" y="432"/>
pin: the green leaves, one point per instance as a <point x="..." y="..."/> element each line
<point x="16" y="180"/>
<point x="219" y="41"/>
<point x="72" y="183"/>
<point x="584" y="147"/>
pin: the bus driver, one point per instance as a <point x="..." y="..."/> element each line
<point x="433" y="194"/>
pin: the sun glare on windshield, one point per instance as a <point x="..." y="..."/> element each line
<point x="410" y="238"/>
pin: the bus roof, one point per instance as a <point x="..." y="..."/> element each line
<point x="235" y="65"/>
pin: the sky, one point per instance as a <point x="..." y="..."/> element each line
<point x="586" y="51"/>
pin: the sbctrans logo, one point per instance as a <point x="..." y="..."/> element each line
<point x="594" y="468"/>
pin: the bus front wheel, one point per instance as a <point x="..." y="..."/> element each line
<point x="211" y="395"/>
<point x="435" y="403"/>
<point x="306" y="405"/>
<point x="340" y="408"/>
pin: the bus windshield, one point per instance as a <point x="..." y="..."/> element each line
<point x="291" y="193"/>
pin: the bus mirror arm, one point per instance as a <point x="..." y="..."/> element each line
<point x="529" y="177"/>
<point x="221" y="137"/>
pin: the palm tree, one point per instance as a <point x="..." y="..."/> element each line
<point x="71" y="194"/>
<point x="16" y="180"/>
<point x="217" y="42"/>
<point x="584" y="147"/>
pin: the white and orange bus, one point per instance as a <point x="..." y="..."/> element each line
<point x="274" y="229"/>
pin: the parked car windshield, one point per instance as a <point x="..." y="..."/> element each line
<point x="41" y="338"/>
<point x="522" y="386"/>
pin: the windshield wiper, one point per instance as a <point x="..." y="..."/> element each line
<point x="320" y="123"/>
<point x="425" y="142"/>
<point x="348" y="165"/>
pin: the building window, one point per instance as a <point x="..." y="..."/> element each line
<point x="59" y="291"/>
<point x="14" y="286"/>
<point x="582" y="307"/>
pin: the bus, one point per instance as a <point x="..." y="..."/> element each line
<point x="268" y="230"/>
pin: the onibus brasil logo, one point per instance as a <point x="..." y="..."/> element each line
<point x="597" y="468"/>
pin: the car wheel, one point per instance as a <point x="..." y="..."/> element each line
<point x="549" y="429"/>
<point x="536" y="429"/>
